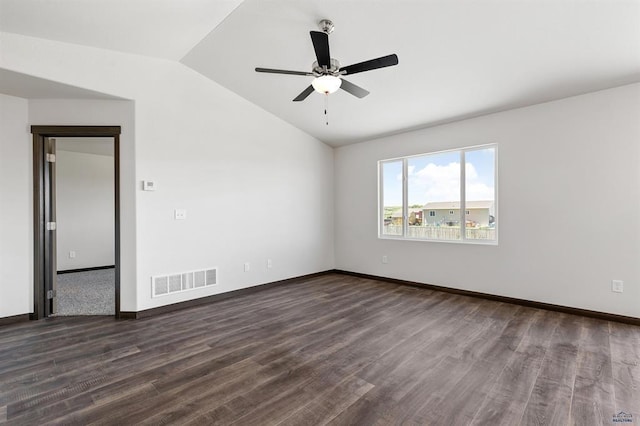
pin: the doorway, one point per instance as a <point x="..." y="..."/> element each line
<point x="46" y="253"/>
<point x="85" y="246"/>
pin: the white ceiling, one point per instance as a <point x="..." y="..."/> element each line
<point x="26" y="86"/>
<point x="162" y="28"/>
<point x="457" y="58"/>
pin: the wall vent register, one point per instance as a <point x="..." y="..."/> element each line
<point x="161" y="285"/>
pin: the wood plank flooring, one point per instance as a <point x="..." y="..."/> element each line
<point x="334" y="349"/>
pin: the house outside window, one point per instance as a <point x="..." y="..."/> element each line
<point x="457" y="190"/>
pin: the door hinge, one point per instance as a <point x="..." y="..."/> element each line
<point x="51" y="226"/>
<point x="51" y="158"/>
<point x="51" y="294"/>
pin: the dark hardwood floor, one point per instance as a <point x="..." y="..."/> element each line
<point x="334" y="349"/>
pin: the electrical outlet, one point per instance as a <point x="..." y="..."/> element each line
<point x="72" y="254"/>
<point x="617" y="286"/>
<point x="247" y="266"/>
<point x="385" y="259"/>
<point x="180" y="214"/>
<point x="269" y="264"/>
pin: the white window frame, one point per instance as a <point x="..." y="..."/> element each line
<point x="463" y="208"/>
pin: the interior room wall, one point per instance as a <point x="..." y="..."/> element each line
<point x="84" y="210"/>
<point x="90" y="112"/>
<point x="16" y="248"/>
<point x="569" y="203"/>
<point x="254" y="187"/>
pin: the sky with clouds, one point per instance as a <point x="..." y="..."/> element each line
<point x="436" y="177"/>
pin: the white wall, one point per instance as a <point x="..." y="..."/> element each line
<point x="84" y="210"/>
<point x="104" y="113"/>
<point x="16" y="237"/>
<point x="564" y="167"/>
<point x="247" y="178"/>
<point x="253" y="186"/>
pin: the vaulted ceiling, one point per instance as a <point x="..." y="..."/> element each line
<point x="457" y="58"/>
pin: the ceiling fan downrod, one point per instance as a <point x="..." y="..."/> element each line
<point x="326" y="26"/>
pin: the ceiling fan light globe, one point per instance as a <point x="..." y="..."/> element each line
<point x="326" y="84"/>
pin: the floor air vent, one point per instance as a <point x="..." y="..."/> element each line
<point x="162" y="285"/>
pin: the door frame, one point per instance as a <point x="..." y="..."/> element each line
<point x="40" y="251"/>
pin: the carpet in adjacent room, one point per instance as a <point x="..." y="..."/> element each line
<point x="86" y="293"/>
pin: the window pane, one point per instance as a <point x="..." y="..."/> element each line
<point x="480" y="172"/>
<point x="392" y="198"/>
<point x="433" y="191"/>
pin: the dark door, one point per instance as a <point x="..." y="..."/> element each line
<point x="50" y="263"/>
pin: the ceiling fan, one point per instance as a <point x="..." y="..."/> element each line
<point x="327" y="71"/>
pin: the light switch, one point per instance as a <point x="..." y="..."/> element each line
<point x="180" y="214"/>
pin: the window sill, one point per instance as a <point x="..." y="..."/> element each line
<point x="422" y="240"/>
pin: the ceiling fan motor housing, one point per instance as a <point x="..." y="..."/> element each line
<point x="333" y="70"/>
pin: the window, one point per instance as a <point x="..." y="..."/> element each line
<point x="459" y="182"/>
<point x="391" y="175"/>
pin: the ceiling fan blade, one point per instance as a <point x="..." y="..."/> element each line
<point x="320" y="42"/>
<point x="302" y="96"/>
<point x="274" y="71"/>
<point x="356" y="91"/>
<point x="372" y="64"/>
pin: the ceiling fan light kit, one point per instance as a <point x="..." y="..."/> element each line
<point x="326" y="84"/>
<point x="329" y="75"/>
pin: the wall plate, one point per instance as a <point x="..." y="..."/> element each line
<point x="148" y="185"/>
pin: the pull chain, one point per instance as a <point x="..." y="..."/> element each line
<point x="326" y="108"/>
